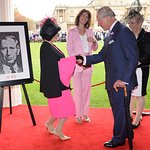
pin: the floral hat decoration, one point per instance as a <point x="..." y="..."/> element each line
<point x="49" y="28"/>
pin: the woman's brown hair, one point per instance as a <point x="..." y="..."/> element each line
<point x="88" y="23"/>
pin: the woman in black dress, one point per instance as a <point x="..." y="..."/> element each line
<point x="135" y="20"/>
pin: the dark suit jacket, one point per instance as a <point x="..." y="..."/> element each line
<point x="50" y="83"/>
<point x="120" y="55"/>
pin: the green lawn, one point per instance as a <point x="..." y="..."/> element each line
<point x="98" y="93"/>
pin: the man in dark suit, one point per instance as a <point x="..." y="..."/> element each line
<point x="120" y="56"/>
<point x="10" y="55"/>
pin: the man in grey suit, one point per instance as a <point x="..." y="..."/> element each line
<point x="120" y="56"/>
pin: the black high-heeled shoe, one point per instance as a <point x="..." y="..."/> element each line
<point x="135" y="126"/>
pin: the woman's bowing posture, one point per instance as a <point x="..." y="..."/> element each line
<point x="55" y="80"/>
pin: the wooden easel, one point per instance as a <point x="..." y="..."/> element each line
<point x="10" y="104"/>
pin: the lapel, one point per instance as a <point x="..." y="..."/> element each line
<point x="78" y="42"/>
<point x="107" y="39"/>
<point x="113" y="34"/>
<point x="112" y="37"/>
<point x="89" y="33"/>
<point x="55" y="50"/>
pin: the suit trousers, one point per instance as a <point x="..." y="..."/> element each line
<point x="82" y="90"/>
<point x="117" y="104"/>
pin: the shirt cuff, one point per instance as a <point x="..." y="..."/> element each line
<point x="84" y="60"/>
<point x="126" y="83"/>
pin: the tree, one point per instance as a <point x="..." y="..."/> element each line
<point x="20" y="18"/>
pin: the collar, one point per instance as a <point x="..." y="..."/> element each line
<point x="113" y="25"/>
<point x="7" y="68"/>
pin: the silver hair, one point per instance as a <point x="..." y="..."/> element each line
<point x="105" y="11"/>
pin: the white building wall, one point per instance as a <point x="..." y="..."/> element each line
<point x="7" y="15"/>
<point x="6" y="10"/>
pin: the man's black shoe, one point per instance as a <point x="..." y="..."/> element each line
<point x="110" y="144"/>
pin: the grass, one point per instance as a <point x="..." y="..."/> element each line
<point x="98" y="94"/>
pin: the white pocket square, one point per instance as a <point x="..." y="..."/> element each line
<point x="111" y="41"/>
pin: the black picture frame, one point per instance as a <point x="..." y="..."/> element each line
<point x="23" y="73"/>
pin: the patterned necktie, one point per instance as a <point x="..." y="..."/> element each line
<point x="106" y="36"/>
<point x="12" y="70"/>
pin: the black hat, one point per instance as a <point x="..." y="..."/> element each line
<point x="49" y="30"/>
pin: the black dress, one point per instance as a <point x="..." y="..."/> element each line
<point x="143" y="42"/>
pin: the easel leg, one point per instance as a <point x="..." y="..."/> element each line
<point x="28" y="103"/>
<point x="1" y="105"/>
<point x="10" y="104"/>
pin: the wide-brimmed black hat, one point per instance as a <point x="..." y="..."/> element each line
<point x="49" y="30"/>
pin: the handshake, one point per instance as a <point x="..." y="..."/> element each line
<point x="79" y="60"/>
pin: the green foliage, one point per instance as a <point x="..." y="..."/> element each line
<point x="98" y="93"/>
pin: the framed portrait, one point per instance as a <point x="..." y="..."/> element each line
<point x="15" y="55"/>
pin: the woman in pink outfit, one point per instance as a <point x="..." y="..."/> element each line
<point x="55" y="80"/>
<point x="80" y="41"/>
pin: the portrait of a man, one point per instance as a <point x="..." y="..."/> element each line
<point x="10" y="53"/>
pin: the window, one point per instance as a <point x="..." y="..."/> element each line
<point x="60" y="19"/>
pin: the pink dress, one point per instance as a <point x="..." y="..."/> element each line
<point x="62" y="107"/>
